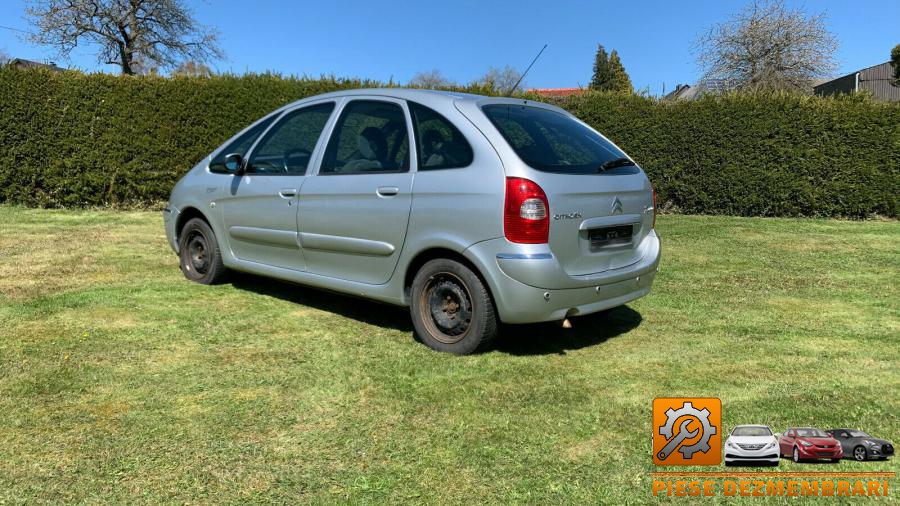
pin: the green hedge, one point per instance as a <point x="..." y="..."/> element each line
<point x="759" y="155"/>
<point x="69" y="139"/>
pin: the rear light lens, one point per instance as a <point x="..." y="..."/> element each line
<point x="526" y="217"/>
<point x="654" y="207"/>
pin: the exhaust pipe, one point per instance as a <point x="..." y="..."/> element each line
<point x="564" y="323"/>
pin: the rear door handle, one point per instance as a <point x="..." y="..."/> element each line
<point x="287" y="193"/>
<point x="387" y="191"/>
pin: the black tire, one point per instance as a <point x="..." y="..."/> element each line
<point x="451" y="308"/>
<point x="857" y="454"/>
<point x="199" y="255"/>
<point x="835" y="460"/>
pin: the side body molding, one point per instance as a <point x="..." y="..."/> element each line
<point x="345" y="244"/>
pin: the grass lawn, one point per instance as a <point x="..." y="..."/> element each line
<point x="120" y="380"/>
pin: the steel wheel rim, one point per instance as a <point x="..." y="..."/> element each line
<point x="197" y="253"/>
<point x="446" y="308"/>
<point x="860" y="453"/>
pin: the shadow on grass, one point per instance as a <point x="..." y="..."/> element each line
<point x="551" y="339"/>
<point x="363" y="310"/>
<point x="533" y="339"/>
<point x="815" y="462"/>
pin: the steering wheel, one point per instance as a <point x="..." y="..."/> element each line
<point x="293" y="153"/>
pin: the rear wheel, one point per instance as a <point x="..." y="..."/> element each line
<point x="451" y="308"/>
<point x="199" y="254"/>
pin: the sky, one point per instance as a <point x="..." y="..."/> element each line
<point x="395" y="40"/>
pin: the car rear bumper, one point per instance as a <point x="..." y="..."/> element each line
<point x="520" y="302"/>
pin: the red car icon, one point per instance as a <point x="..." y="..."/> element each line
<point x="803" y="443"/>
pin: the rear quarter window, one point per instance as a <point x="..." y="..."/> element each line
<point x="549" y="141"/>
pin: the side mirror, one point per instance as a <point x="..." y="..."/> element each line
<point x="234" y="163"/>
<point x="777" y="434"/>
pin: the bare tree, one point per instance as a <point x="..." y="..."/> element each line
<point x="431" y="79"/>
<point x="192" y="68"/>
<point x="154" y="32"/>
<point x="4" y="58"/>
<point x="500" y="79"/>
<point x="768" y="46"/>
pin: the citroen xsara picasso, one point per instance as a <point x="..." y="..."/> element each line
<point x="470" y="210"/>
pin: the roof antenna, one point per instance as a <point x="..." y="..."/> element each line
<point x="526" y="71"/>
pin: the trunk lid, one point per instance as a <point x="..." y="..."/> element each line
<point x="598" y="221"/>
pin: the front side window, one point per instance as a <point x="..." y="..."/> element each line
<point x="370" y="136"/>
<point x="439" y="144"/>
<point x="240" y="145"/>
<point x="288" y="146"/>
<point x="553" y="142"/>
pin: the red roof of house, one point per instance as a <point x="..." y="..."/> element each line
<point x="557" y="92"/>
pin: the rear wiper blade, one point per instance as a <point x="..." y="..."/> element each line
<point x="615" y="162"/>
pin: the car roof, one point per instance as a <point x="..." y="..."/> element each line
<point x="752" y="425"/>
<point x="423" y="96"/>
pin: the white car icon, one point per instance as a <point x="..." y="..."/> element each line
<point x="752" y="445"/>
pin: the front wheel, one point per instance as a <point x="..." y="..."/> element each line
<point x="198" y="253"/>
<point x="859" y="453"/>
<point x="451" y="308"/>
<point x="796" y="454"/>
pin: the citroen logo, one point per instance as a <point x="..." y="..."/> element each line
<point x="616" y="206"/>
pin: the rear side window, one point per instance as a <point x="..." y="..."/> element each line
<point x="439" y="144"/>
<point x="370" y="136"/>
<point x="240" y="145"/>
<point x="550" y="141"/>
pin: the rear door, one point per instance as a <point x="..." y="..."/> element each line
<point x="600" y="201"/>
<point x="354" y="212"/>
<point x="259" y="208"/>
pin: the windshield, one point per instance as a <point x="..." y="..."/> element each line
<point x="751" y="431"/>
<point x="858" y="433"/>
<point x="553" y="142"/>
<point x="811" y="433"/>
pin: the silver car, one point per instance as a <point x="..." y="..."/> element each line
<point x="469" y="210"/>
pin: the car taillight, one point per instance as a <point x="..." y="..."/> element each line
<point x="654" y="207"/>
<point x="526" y="215"/>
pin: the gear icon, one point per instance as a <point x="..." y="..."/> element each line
<point x="688" y="409"/>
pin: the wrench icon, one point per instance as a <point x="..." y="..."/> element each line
<point x="683" y="434"/>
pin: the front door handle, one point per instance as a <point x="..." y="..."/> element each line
<point x="287" y="193"/>
<point x="387" y="191"/>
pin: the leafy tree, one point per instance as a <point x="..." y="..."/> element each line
<point x="895" y="60"/>
<point x="618" y="78"/>
<point x="600" y="79"/>
<point x="768" y="46"/>
<point x="192" y="68"/>
<point x="500" y="79"/>
<point x="430" y="79"/>
<point x="156" y="33"/>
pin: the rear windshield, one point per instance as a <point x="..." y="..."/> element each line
<point x="550" y="141"/>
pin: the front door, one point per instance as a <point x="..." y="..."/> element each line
<point x="354" y="212"/>
<point x="260" y="206"/>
